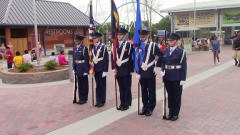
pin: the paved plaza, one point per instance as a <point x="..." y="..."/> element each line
<point x="210" y="105"/>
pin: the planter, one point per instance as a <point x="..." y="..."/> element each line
<point x="38" y="77"/>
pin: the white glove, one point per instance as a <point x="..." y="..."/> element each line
<point x="138" y="77"/>
<point x="85" y="74"/>
<point x="182" y="83"/>
<point x="73" y="72"/>
<point x="155" y="70"/>
<point x="163" y="73"/>
<point x="104" y="74"/>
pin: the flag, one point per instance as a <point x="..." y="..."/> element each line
<point x="139" y="48"/>
<point x="115" y="26"/>
<point x="91" y="30"/>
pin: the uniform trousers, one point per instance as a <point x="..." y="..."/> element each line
<point x="100" y="88"/>
<point x="83" y="88"/>
<point x="124" y="83"/>
<point x="174" y="90"/>
<point x="148" y="86"/>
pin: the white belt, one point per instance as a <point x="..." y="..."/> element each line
<point x="146" y="66"/>
<point x="173" y="66"/>
<point x="79" y="61"/>
<point x="96" y="60"/>
<point x="119" y="62"/>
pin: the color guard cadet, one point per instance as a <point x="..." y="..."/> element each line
<point x="125" y="67"/>
<point x="147" y="74"/>
<point x="100" y="60"/>
<point x="174" y="70"/>
<point x="81" y="68"/>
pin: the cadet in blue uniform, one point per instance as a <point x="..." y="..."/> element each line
<point x="174" y="70"/>
<point x="125" y="67"/>
<point x="81" y="68"/>
<point x="147" y="74"/>
<point x="101" y="62"/>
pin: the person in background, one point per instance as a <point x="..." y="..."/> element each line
<point x="10" y="45"/>
<point x="215" y="47"/>
<point x="236" y="50"/>
<point x="163" y="46"/>
<point x="62" y="59"/>
<point x="18" y="60"/>
<point x="53" y="57"/>
<point x="2" y="51"/>
<point x="9" y="56"/>
<point x="26" y="57"/>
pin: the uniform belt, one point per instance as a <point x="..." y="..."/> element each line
<point x="79" y="61"/>
<point x="173" y="66"/>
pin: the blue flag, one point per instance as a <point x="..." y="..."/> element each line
<point x="139" y="48"/>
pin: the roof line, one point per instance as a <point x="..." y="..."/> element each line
<point x="7" y="12"/>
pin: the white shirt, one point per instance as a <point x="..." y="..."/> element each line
<point x="97" y="44"/>
<point x="27" y="58"/>
<point x="52" y="58"/>
<point x="120" y="43"/>
<point x="145" y="43"/>
<point x="172" y="49"/>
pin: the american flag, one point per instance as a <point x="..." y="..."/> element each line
<point x="91" y="30"/>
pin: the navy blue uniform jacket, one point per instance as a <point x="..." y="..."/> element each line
<point x="174" y="59"/>
<point x="101" y="66"/>
<point x="81" y="53"/>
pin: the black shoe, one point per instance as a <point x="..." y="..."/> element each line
<point x="82" y="102"/>
<point x="142" y="113"/>
<point x="174" y="118"/>
<point x="236" y="62"/>
<point x="100" y="105"/>
<point x="148" y="113"/>
<point x="169" y="117"/>
<point x="124" y="108"/>
<point x="120" y="107"/>
<point x="96" y="105"/>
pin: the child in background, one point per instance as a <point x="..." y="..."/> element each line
<point x="18" y="60"/>
<point x="52" y="57"/>
<point x="26" y="57"/>
<point x="9" y="55"/>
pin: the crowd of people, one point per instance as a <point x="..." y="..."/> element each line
<point x="14" y="61"/>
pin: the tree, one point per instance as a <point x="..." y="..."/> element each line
<point x="163" y="24"/>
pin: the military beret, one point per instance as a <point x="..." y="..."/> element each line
<point x="173" y="36"/>
<point x="97" y="34"/>
<point x="79" y="37"/>
<point x="143" y="32"/>
<point x="122" y="31"/>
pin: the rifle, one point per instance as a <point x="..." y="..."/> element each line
<point x="116" y="91"/>
<point x="138" y="97"/>
<point x="164" y="101"/>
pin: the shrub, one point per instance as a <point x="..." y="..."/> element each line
<point x="24" y="67"/>
<point x="50" y="65"/>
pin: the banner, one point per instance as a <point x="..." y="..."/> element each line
<point x="231" y="16"/>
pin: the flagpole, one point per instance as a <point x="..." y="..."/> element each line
<point x="35" y="29"/>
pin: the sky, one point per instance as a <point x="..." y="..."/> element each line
<point x="102" y="9"/>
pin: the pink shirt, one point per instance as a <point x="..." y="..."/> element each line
<point x="62" y="60"/>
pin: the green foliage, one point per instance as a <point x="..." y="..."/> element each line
<point x="163" y="24"/>
<point x="24" y="67"/>
<point x="50" y="65"/>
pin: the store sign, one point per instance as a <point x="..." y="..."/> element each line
<point x="202" y="18"/>
<point x="231" y="16"/>
<point x="58" y="31"/>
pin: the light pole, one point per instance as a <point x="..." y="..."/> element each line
<point x="35" y="29"/>
<point x="194" y="20"/>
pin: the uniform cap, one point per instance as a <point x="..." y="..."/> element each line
<point x="78" y="37"/>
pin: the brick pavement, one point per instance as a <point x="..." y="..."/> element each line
<point x="39" y="110"/>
